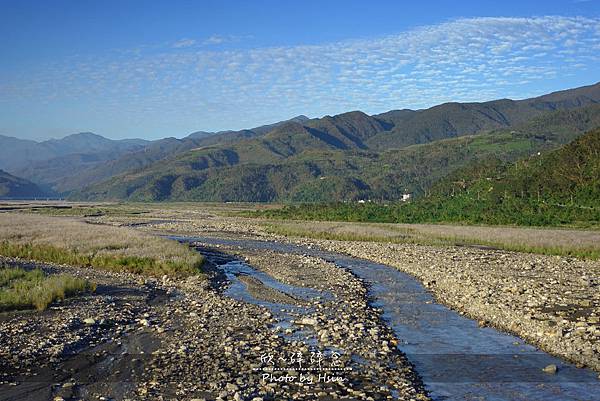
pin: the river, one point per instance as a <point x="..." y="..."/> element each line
<point x="457" y="359"/>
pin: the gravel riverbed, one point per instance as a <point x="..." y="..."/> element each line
<point x="151" y="339"/>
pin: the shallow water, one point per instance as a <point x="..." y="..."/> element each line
<point x="284" y="314"/>
<point x="456" y="359"/>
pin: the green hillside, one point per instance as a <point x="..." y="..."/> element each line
<point x="293" y="163"/>
<point x="311" y="176"/>
<point x="556" y="188"/>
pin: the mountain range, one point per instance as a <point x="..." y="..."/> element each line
<point x="20" y="153"/>
<point x="346" y="156"/>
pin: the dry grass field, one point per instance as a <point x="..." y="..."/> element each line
<point x="567" y="242"/>
<point x="550" y="241"/>
<point x="74" y="242"/>
<point x="341" y="231"/>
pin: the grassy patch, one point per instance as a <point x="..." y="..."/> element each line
<point x="131" y="264"/>
<point x="23" y="289"/>
<point x="582" y="252"/>
<point x="76" y="243"/>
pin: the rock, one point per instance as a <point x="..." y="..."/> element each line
<point x="551" y="369"/>
<point x="558" y="332"/>
<point x="145" y="322"/>
<point x="89" y="321"/>
<point x="307" y="321"/>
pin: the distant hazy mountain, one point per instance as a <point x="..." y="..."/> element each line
<point x="87" y="142"/>
<point x="16" y="154"/>
<point x="12" y="187"/>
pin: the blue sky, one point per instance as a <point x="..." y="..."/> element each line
<point x="153" y="69"/>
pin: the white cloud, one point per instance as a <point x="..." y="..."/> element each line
<point x="184" y="43"/>
<point x="466" y="59"/>
<point x="221" y="39"/>
<point x="214" y="40"/>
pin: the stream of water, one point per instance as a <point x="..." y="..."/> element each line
<point x="457" y="359"/>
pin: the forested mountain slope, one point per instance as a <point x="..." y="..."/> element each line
<point x="558" y="187"/>
<point x="285" y="168"/>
